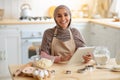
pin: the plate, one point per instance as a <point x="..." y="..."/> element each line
<point x="116" y="68"/>
<point x="104" y="66"/>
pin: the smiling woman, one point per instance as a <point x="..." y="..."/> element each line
<point x="62" y="40"/>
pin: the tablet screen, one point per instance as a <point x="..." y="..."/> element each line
<point x="77" y="57"/>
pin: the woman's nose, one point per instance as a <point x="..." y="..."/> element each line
<point x="63" y="17"/>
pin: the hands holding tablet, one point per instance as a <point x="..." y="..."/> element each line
<point x="87" y="57"/>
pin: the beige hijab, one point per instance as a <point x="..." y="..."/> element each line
<point x="60" y="7"/>
<point x="62" y="48"/>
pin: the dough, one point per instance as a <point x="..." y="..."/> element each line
<point x="43" y="63"/>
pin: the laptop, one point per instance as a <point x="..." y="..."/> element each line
<point x="77" y="56"/>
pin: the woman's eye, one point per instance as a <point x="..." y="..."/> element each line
<point x="66" y="14"/>
<point x="59" y="15"/>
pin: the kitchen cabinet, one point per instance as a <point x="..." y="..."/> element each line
<point x="105" y="36"/>
<point x="9" y="47"/>
<point x="117" y="42"/>
<point x="84" y="29"/>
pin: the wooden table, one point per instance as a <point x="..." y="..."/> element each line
<point x="94" y="74"/>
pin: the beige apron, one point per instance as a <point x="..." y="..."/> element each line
<point x="60" y="48"/>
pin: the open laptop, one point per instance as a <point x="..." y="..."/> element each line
<point x="77" y="57"/>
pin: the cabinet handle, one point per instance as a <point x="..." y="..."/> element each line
<point x="2" y="55"/>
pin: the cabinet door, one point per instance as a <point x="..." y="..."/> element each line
<point x="13" y="47"/>
<point x="3" y="61"/>
<point x="3" y="54"/>
<point x="84" y="29"/>
<point x="95" y="35"/>
<point x="117" y="42"/>
<point x="104" y="36"/>
<point x="9" y="49"/>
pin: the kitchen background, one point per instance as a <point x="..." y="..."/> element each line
<point x="99" y="8"/>
<point x="23" y="34"/>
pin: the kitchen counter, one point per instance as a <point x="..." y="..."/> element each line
<point x="105" y="22"/>
<point x="15" y="21"/>
<point x="60" y="69"/>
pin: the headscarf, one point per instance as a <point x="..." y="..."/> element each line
<point x="61" y="7"/>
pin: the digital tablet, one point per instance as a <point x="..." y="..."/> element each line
<point x="78" y="55"/>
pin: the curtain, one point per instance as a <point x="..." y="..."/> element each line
<point x="114" y="8"/>
<point x="101" y="7"/>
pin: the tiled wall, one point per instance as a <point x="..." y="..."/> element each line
<point x="39" y="7"/>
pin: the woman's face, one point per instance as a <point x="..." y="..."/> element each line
<point x="62" y="18"/>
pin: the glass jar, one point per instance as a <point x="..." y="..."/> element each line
<point x="101" y="55"/>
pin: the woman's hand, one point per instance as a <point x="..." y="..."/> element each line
<point x="57" y="59"/>
<point x="87" y="57"/>
<point x="62" y="58"/>
<point x="66" y="58"/>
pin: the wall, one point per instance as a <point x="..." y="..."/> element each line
<point x="39" y="7"/>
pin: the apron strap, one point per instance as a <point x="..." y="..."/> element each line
<point x="55" y="34"/>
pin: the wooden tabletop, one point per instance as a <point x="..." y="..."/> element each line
<point x="60" y="72"/>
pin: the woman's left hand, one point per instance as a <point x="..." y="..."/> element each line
<point x="66" y="58"/>
<point x="87" y="57"/>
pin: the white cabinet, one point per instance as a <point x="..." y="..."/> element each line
<point x="9" y="47"/>
<point x="117" y="42"/>
<point x="84" y="29"/>
<point x="105" y="36"/>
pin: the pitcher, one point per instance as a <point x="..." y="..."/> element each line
<point x="101" y="55"/>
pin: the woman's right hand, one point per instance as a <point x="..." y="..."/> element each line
<point x="62" y="58"/>
<point x="57" y="59"/>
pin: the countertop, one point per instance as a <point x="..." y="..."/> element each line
<point x="17" y="21"/>
<point x="104" y="21"/>
<point x="60" y="69"/>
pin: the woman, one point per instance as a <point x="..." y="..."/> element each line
<point x="62" y="41"/>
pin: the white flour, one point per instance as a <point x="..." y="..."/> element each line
<point x="101" y="59"/>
